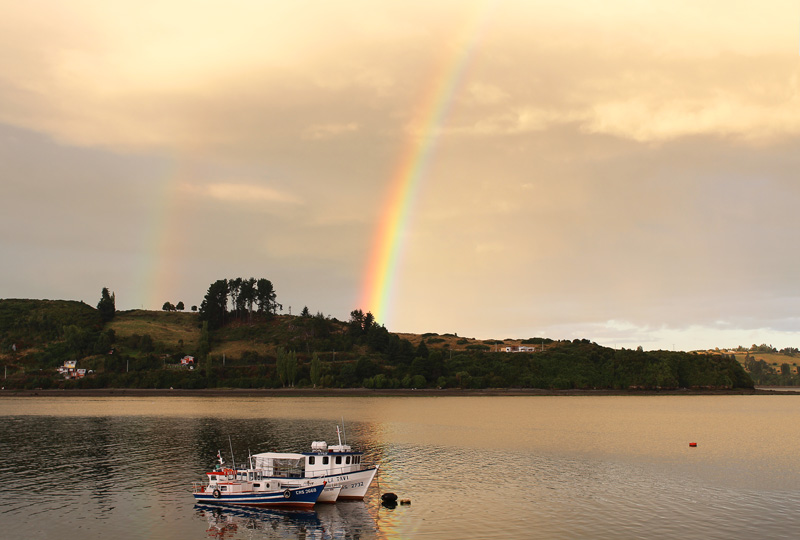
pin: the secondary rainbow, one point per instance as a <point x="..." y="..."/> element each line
<point x="390" y="240"/>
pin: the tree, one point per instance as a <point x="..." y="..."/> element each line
<point x="291" y="368"/>
<point x="204" y="347"/>
<point x="369" y="321"/>
<point x="179" y="306"/>
<point x="215" y="304"/>
<point x="265" y="297"/>
<point x="356" y="324"/>
<point x="247" y="294"/>
<point x="234" y="290"/>
<point x="280" y="365"/>
<point x="305" y="312"/>
<point x="168" y="307"/>
<point x="316" y="370"/>
<point x="286" y="365"/>
<point x="194" y="308"/>
<point x="146" y="344"/>
<point x="107" y="305"/>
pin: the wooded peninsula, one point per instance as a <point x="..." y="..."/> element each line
<point x="237" y="340"/>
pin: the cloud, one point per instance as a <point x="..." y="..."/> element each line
<point x="276" y="73"/>
<point x="325" y="131"/>
<point x="595" y="161"/>
<point x="239" y="192"/>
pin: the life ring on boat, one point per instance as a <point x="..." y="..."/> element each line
<point x="287" y="494"/>
<point x="216" y="494"/>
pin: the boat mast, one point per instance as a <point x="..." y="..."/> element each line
<point x="233" y="459"/>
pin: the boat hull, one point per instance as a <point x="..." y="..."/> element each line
<point x="330" y="494"/>
<point x="304" y="497"/>
<point x="353" y="485"/>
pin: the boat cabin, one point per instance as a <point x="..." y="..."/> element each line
<point x="323" y="460"/>
<point x="240" y="481"/>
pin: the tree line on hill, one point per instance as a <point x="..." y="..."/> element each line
<point x="229" y="299"/>
<point x="319" y="351"/>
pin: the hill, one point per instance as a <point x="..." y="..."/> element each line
<point x="38" y="333"/>
<point x="144" y="349"/>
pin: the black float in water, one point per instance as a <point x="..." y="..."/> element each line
<point x="389" y="500"/>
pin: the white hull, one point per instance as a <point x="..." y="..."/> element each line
<point x="353" y="484"/>
<point x="330" y="494"/>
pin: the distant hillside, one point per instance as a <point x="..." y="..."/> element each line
<point x="38" y="327"/>
<point x="143" y="349"/>
<point x="766" y="365"/>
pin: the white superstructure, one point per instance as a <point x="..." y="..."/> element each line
<point x="339" y="465"/>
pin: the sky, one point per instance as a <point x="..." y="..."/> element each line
<point x="621" y="171"/>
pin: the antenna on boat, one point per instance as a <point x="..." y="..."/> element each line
<point x="233" y="459"/>
<point x="343" y="432"/>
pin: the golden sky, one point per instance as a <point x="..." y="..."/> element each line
<point x="622" y="171"/>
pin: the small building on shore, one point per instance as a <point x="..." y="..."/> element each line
<point x="70" y="370"/>
<point x="521" y="348"/>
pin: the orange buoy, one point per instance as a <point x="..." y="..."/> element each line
<point x="692" y="444"/>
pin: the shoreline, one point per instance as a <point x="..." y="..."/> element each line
<point x="366" y="392"/>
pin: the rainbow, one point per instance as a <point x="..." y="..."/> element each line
<point x="384" y="262"/>
<point x="156" y="280"/>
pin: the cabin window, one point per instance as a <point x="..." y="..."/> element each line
<point x="347" y="460"/>
<point x="250" y="476"/>
<point x="311" y="460"/>
<point x="358" y="459"/>
<point x="256" y="485"/>
<point x="325" y="460"/>
<point x="338" y="460"/>
<point x="223" y="488"/>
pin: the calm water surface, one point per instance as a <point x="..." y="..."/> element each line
<point x="474" y="467"/>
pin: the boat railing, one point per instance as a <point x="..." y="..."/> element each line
<point x="345" y="469"/>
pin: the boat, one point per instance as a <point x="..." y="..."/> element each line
<point x="338" y="465"/>
<point x="249" y="487"/>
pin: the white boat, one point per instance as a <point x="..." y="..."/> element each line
<point x="338" y="465"/>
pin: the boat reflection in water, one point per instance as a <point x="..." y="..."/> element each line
<point x="350" y="519"/>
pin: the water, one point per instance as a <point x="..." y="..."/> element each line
<point x="474" y="467"/>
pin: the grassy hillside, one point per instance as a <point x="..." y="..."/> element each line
<point x="167" y="328"/>
<point x="772" y="359"/>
